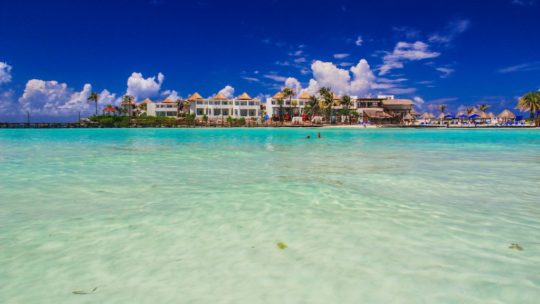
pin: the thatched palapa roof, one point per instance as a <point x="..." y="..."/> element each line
<point x="304" y="95"/>
<point x="195" y="96"/>
<point x="244" y="96"/>
<point x="506" y="114"/>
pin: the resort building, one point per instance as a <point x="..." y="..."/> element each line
<point x="293" y="106"/>
<point x="165" y="108"/>
<point x="219" y="106"/>
<point x="380" y="109"/>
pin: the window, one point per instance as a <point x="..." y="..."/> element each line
<point x="301" y="103"/>
<point x="217" y="112"/>
<point x="200" y="112"/>
<point x="251" y="103"/>
<point x="225" y="112"/>
<point x="273" y="102"/>
<point x="252" y="112"/>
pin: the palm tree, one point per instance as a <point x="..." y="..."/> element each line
<point x="483" y="107"/>
<point x="287" y="93"/>
<point x="94" y="97"/>
<point x="313" y="105"/>
<point x="346" y="103"/>
<point x="280" y="103"/>
<point x="127" y="101"/>
<point x="531" y="102"/>
<point x="442" y="108"/>
<point x="328" y="99"/>
<point x="179" y="107"/>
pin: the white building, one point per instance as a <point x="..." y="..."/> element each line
<point x="294" y="106"/>
<point x="219" y="106"/>
<point x="165" y="108"/>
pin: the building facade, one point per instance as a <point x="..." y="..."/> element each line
<point x="165" y="108"/>
<point x="220" y="107"/>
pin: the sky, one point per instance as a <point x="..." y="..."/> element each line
<point x="458" y="53"/>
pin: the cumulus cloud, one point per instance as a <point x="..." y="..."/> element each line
<point x="358" y="80"/>
<point x="170" y="94"/>
<point x="141" y="87"/>
<point x="294" y="84"/>
<point x="52" y="98"/>
<point x="403" y="52"/>
<point x="106" y="97"/>
<point x="8" y="106"/>
<point x="5" y="72"/>
<point x="227" y="91"/>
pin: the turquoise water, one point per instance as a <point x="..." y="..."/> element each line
<point x="194" y="216"/>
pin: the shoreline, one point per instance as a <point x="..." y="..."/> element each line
<point x="78" y="126"/>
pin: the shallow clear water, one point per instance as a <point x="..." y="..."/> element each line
<point x="194" y="216"/>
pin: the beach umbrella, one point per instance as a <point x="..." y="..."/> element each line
<point x="474" y="116"/>
<point x="449" y="116"/>
<point x="462" y="116"/>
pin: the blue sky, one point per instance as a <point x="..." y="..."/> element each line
<point x="53" y="53"/>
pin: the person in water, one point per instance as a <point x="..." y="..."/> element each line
<point x="319" y="135"/>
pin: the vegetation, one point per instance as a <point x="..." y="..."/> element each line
<point x="442" y="108"/>
<point x="287" y="93"/>
<point x="94" y="97"/>
<point x="327" y="97"/>
<point x="483" y="107"/>
<point x="530" y="102"/>
<point x="346" y="103"/>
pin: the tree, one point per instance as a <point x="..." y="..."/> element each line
<point x="280" y="103"/>
<point x="442" y="108"/>
<point x="346" y="103"/>
<point x="313" y="106"/>
<point x="179" y="107"/>
<point x="531" y="102"/>
<point x="127" y="102"/>
<point x="483" y="107"/>
<point x="94" y="97"/>
<point x="327" y="100"/>
<point x="287" y="93"/>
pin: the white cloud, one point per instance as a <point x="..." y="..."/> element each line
<point x="5" y="72"/>
<point x="294" y="84"/>
<point x="452" y="30"/>
<point x="341" y="55"/>
<point x="171" y="94"/>
<point x="359" y="80"/>
<point x="300" y="60"/>
<point x="359" y="41"/>
<point x="8" y="106"/>
<point x="524" y="2"/>
<point x="524" y="67"/>
<point x="275" y="77"/>
<point x="51" y="98"/>
<point x="405" y="51"/>
<point x="419" y="101"/>
<point x="251" y="79"/>
<point x="141" y="88"/>
<point x="227" y="91"/>
<point x="446" y="72"/>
